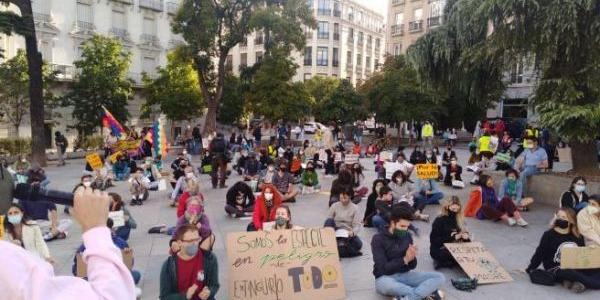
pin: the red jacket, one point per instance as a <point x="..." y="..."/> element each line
<point x="260" y="214"/>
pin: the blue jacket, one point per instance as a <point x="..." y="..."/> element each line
<point x="504" y="190"/>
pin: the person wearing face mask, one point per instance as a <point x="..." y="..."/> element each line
<point x="117" y="204"/>
<point x="85" y="181"/>
<point x="191" y="189"/>
<point x="483" y="204"/>
<point x="563" y="233"/>
<point x="25" y="233"/>
<point x="310" y="179"/>
<point x="344" y="215"/>
<point x="194" y="214"/>
<point x="265" y="207"/>
<point x="181" y="185"/>
<point x="190" y="273"/>
<point x="395" y="258"/>
<point x="512" y="188"/>
<point x="588" y="221"/>
<point x="283" y="219"/>
<point x="266" y="176"/>
<point x="240" y="200"/>
<point x="251" y="167"/>
<point x="138" y="187"/>
<point x="575" y="198"/>
<point x="371" y="210"/>
<point x="284" y="182"/>
<point x="448" y="227"/>
<point x="453" y="174"/>
<point x="448" y="155"/>
<point x="417" y="157"/>
<point x="531" y="161"/>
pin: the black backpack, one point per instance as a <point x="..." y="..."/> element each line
<point x="346" y="249"/>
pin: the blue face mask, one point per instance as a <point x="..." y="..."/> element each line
<point x="191" y="250"/>
<point x="15" y="219"/>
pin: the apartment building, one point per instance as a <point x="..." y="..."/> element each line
<point x="347" y="43"/>
<point x="410" y="19"/>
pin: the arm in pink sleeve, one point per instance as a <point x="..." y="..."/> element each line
<point x="26" y="276"/>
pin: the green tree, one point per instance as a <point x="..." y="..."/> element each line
<point x="175" y="91"/>
<point x="345" y="105"/>
<point x="212" y="28"/>
<point x="24" y="26"/>
<point x="272" y="92"/>
<point x="101" y="81"/>
<point x="320" y="89"/>
<point x="232" y="106"/>
<point x="14" y="89"/>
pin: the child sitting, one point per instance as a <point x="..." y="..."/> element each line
<point x="310" y="179"/>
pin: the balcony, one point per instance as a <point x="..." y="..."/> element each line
<point x="415" y="26"/>
<point x="121" y="34"/>
<point x="398" y="2"/>
<point x="324" y="12"/>
<point x="124" y="1"/>
<point x="63" y="72"/>
<point x="174" y="43"/>
<point x="398" y="30"/>
<point x="42" y="17"/>
<point x="258" y="40"/>
<point x="323" y="35"/>
<point x="336" y="36"/>
<point x="150" y="40"/>
<point x="433" y="21"/>
<point x="335" y="63"/>
<point x="337" y="13"/>
<point x="155" y="5"/>
<point x="84" y="26"/>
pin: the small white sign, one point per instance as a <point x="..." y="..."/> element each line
<point x="118" y="218"/>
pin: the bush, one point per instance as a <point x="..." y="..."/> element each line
<point x="93" y="142"/>
<point x="15" y="146"/>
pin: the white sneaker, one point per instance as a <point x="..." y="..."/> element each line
<point x="138" y="293"/>
<point x="522" y="222"/>
<point x="511" y="222"/>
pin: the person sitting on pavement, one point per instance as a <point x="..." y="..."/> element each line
<point x="25" y="233"/>
<point x="371" y="209"/>
<point x="531" y="161"/>
<point x="265" y="207"/>
<point x="119" y="243"/>
<point x="453" y="174"/>
<point x="138" y="187"/>
<point x="344" y="215"/>
<point x="266" y="176"/>
<point x="588" y="222"/>
<point x="341" y="183"/>
<point x="310" y="179"/>
<point x="395" y="258"/>
<point x="117" y="204"/>
<point x="404" y="166"/>
<point x="284" y="182"/>
<point x="448" y="227"/>
<point x="575" y="198"/>
<point x="195" y="215"/>
<point x="36" y="171"/>
<point x="181" y="185"/>
<point x="417" y="157"/>
<point x="512" y="188"/>
<point x="191" y="189"/>
<point x="251" y="167"/>
<point x="121" y="168"/>
<point x="151" y="173"/>
<point x="191" y="272"/>
<point x="562" y="234"/>
<point x="448" y="155"/>
<point x="426" y="193"/>
<point x="20" y="168"/>
<point x="483" y="204"/>
<point x="240" y="200"/>
<point x="283" y="219"/>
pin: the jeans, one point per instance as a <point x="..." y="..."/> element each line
<point x="136" y="276"/>
<point x="379" y="222"/>
<point x="123" y="232"/>
<point x="422" y="200"/>
<point x="526" y="173"/>
<point x="412" y="285"/>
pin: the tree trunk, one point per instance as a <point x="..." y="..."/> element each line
<point x="210" y="121"/>
<point x="36" y="107"/>
<point x="16" y="127"/>
<point x="585" y="158"/>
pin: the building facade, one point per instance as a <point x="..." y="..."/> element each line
<point x="62" y="26"/>
<point x="347" y="43"/>
<point x="410" y="19"/>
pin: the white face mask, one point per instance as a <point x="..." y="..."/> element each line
<point x="189" y="175"/>
<point x="580" y="188"/>
<point x="271" y="169"/>
<point x="87" y="183"/>
<point x="269" y="196"/>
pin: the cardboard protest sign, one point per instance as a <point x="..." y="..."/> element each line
<point x="337" y="157"/>
<point x="478" y="262"/>
<point x="126" y="145"/>
<point x="351" y="158"/>
<point x="427" y="171"/>
<point x="579" y="258"/>
<point x="386" y="155"/>
<point x="284" y="264"/>
<point x="113" y="157"/>
<point x="390" y="168"/>
<point x="322" y="155"/>
<point x="118" y="218"/>
<point x="94" y="160"/>
<point x="82" y="267"/>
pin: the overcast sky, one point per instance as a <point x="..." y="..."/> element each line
<point x="377" y="5"/>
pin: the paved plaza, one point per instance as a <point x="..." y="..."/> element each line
<point x="512" y="246"/>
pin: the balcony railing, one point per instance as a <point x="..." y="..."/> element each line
<point x="120" y="33"/>
<point x="172" y="7"/>
<point x="433" y="21"/>
<point x="398" y="2"/>
<point x="335" y="63"/>
<point x="324" y="12"/>
<point x="124" y="1"/>
<point x="397" y="29"/>
<point x="415" y="26"/>
<point x="84" y="26"/>
<point x="151" y="39"/>
<point x="155" y="5"/>
<point x="336" y="36"/>
<point x="63" y="72"/>
<point x="337" y="13"/>
<point x="323" y="35"/>
<point x="42" y="17"/>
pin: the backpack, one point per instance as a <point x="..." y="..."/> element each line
<point x="218" y="146"/>
<point x="345" y="248"/>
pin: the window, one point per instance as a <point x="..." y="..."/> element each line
<point x="229" y="63"/>
<point x="369" y="41"/>
<point x="350" y="35"/>
<point x="397" y="49"/>
<point x="351" y="13"/>
<point x="308" y="32"/>
<point x="399" y="18"/>
<point x="322" y="56"/>
<point x="244" y="60"/>
<point x="358" y="60"/>
<point x="337" y="9"/>
<point x="85" y="18"/>
<point x="376" y="63"/>
<point x="349" y="58"/>
<point x="435" y="9"/>
<point x="516" y="73"/>
<point x="118" y="20"/>
<point x="149" y="65"/>
<point x="360" y="37"/>
<point x="149" y="26"/>
<point x="335" y="61"/>
<point x="244" y="42"/>
<point x="377" y="43"/>
<point x="336" y="31"/>
<point x="308" y="56"/>
<point x="368" y="62"/>
<point x="310" y="4"/>
<point x="324" y="8"/>
<point x="323" y="30"/>
<point x="418" y="13"/>
<point x="46" y="50"/>
<point x="259" y="56"/>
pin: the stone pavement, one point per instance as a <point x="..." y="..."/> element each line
<point x="513" y="247"/>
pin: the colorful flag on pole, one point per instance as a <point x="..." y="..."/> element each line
<point x="109" y="122"/>
<point x="159" y="138"/>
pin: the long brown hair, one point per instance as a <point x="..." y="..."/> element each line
<point x="460" y="219"/>
<point x="289" y="213"/>
<point x="572" y="217"/>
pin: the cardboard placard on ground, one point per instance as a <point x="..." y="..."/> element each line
<point x="427" y="171"/>
<point x="118" y="218"/>
<point x="351" y="158"/>
<point x="94" y="160"/>
<point x="564" y="154"/>
<point x="579" y="258"/>
<point x="478" y="262"/>
<point x="82" y="267"/>
<point x="284" y="264"/>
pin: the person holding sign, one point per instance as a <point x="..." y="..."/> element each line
<point x="25" y="233"/>
<point x="562" y="234"/>
<point x="588" y="221"/>
<point x="265" y="207"/>
<point x="116" y="205"/>
<point x="395" y="258"/>
<point x="191" y="273"/>
<point x="448" y="227"/>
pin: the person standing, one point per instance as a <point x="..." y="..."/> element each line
<point x="61" y="147"/>
<point x="427" y="134"/>
<point x="257" y="133"/>
<point x="197" y="136"/>
<point x="218" y="149"/>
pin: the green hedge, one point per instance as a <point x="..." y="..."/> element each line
<point x="15" y="146"/>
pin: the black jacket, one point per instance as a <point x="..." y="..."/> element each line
<point x="388" y="254"/>
<point x="569" y="199"/>
<point x="242" y="187"/>
<point x="448" y="178"/>
<point x="384" y="209"/>
<point x="548" y="251"/>
<point x="370" y="211"/>
<point x="441" y="232"/>
<point x="446" y="158"/>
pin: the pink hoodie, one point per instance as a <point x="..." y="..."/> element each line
<point x="25" y="276"/>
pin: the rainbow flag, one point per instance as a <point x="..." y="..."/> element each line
<point x="109" y="122"/>
<point x="159" y="138"/>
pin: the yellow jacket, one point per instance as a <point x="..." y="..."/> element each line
<point x="484" y="144"/>
<point x="427" y="130"/>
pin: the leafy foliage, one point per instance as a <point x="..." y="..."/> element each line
<point x="345" y="105"/>
<point x="102" y="81"/>
<point x="232" y="106"/>
<point x="320" y="89"/>
<point x="175" y="91"/>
